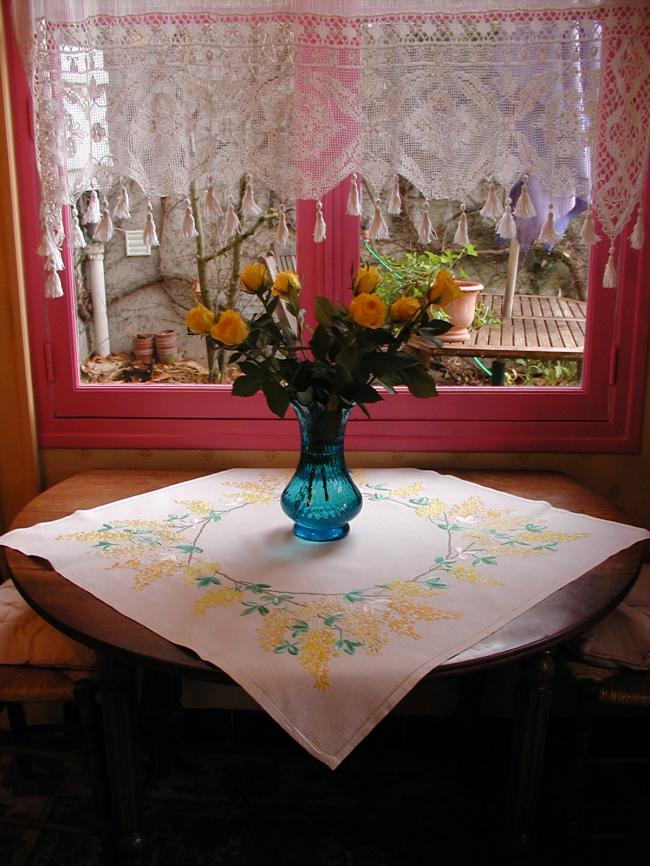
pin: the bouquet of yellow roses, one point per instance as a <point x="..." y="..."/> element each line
<point x="341" y="361"/>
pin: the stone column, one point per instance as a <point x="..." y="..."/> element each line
<point x="95" y="257"/>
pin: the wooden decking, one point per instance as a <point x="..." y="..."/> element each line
<point x="540" y="327"/>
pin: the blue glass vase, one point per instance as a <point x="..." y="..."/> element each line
<point x="321" y="498"/>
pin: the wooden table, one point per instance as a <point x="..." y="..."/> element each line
<point x="540" y="327"/>
<point x="530" y="638"/>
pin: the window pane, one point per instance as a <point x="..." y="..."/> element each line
<point x="540" y="339"/>
<point x="148" y="290"/>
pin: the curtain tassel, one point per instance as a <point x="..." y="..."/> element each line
<point x="395" y="201"/>
<point x="78" y="239"/>
<point x="610" y="277"/>
<point x="232" y="224"/>
<point x="149" y="234"/>
<point x="425" y="230"/>
<point x="105" y="230"/>
<point x="212" y="207"/>
<point x="188" y="226"/>
<point x="53" y="287"/>
<point x="249" y="208"/>
<point x="123" y="207"/>
<point x="49" y="250"/>
<point x="461" y="238"/>
<point x="378" y="229"/>
<point x="282" y="232"/>
<point x="492" y="209"/>
<point x="320" y="229"/>
<point x="524" y="208"/>
<point x="507" y="227"/>
<point x="91" y="213"/>
<point x="588" y="234"/>
<point x="354" y="199"/>
<point x="637" y="237"/>
<point x="548" y="235"/>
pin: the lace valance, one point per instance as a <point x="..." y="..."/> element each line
<point x="301" y="94"/>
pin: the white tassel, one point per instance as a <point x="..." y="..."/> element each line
<point x="588" y="234"/>
<point x="212" y="207"/>
<point x="149" y="234"/>
<point x="637" y="237"/>
<point x="492" y="209"/>
<point x="610" y="277"/>
<point x="548" y="235"/>
<point x="320" y="229"/>
<point x="49" y="250"/>
<point x="248" y="207"/>
<point x="282" y="231"/>
<point x="395" y="202"/>
<point x="461" y="238"/>
<point x="53" y="287"/>
<point x="91" y="212"/>
<point x="525" y="209"/>
<point x="188" y="226"/>
<point x="425" y="230"/>
<point x="378" y="229"/>
<point x="104" y="231"/>
<point x="78" y="239"/>
<point x="122" y="209"/>
<point x="232" y="224"/>
<point x="507" y="227"/>
<point x="354" y="207"/>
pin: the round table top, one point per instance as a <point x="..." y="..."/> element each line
<point x="72" y="610"/>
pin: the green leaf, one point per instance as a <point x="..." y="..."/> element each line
<point x="332" y="619"/>
<point x="320" y="343"/>
<point x="325" y="311"/>
<point x="419" y="382"/>
<point x="245" y="386"/>
<point x="188" y="548"/>
<point x="353" y="596"/>
<point x="350" y="646"/>
<point x="277" y="397"/>
<point x="208" y="580"/>
<point x="299" y="627"/>
<point x="259" y="587"/>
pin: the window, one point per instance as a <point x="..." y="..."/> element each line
<point x="602" y="413"/>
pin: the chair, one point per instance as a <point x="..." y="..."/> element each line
<point x="626" y="693"/>
<point x="40" y="665"/>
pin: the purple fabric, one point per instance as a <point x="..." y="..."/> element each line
<point x="565" y="208"/>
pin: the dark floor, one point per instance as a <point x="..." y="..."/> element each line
<point x="416" y="791"/>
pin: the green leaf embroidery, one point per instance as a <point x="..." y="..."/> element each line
<point x="208" y="580"/>
<point x="353" y="595"/>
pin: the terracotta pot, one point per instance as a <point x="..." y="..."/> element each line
<point x="461" y="311"/>
<point x="143" y="347"/>
<point x="166" y="349"/>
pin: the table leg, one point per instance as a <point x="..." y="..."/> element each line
<point x="122" y="756"/>
<point x="529" y="740"/>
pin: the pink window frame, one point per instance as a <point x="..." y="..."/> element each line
<point x="604" y="414"/>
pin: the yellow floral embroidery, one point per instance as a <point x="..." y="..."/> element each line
<point x="434" y="508"/>
<point x="274" y="626"/>
<point x="196" y="506"/>
<point x="469" y="574"/>
<point x="316" y="651"/>
<point x="218" y="598"/>
<point x="153" y="572"/>
<point x="467" y="508"/>
<point x="365" y="627"/>
<point x="412" y="588"/>
<point x="191" y="573"/>
<point x="265" y="489"/>
<point x="402" y="615"/>
<point x="407" y="491"/>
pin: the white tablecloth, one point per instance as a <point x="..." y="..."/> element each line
<point x="326" y="637"/>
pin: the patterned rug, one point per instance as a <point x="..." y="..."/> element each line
<point x="417" y="791"/>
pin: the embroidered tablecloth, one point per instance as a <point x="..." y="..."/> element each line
<point x="326" y="637"/>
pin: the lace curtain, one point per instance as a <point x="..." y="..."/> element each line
<point x="303" y="93"/>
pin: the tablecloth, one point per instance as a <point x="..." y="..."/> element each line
<point x="327" y="637"/>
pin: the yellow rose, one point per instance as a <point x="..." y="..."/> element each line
<point x="367" y="310"/>
<point x="404" y="309"/>
<point x="367" y="280"/>
<point x="444" y="290"/>
<point x="285" y="281"/>
<point x="199" y="319"/>
<point x="230" y="329"/>
<point x="255" y="278"/>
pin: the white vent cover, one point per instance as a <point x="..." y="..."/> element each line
<point x="135" y="246"/>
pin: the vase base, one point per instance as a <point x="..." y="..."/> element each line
<point x="331" y="533"/>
